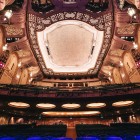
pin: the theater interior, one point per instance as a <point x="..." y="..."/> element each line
<point x="70" y="69"/>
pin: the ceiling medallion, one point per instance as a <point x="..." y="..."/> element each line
<point x="122" y="103"/>
<point x="70" y="106"/>
<point x="45" y="106"/>
<point x="18" y="105"/>
<point x="95" y="105"/>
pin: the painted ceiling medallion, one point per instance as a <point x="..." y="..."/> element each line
<point x="70" y="106"/>
<point x="18" y="105"/>
<point x="45" y="106"/>
<point x="95" y="105"/>
<point x="122" y="103"/>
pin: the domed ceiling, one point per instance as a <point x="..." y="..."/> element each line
<point x="70" y="42"/>
<point x="70" y="46"/>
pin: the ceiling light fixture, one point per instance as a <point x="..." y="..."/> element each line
<point x="45" y="106"/>
<point x="78" y="113"/>
<point x="95" y="105"/>
<point x="122" y="103"/>
<point x="18" y="105"/>
<point x="70" y="106"/>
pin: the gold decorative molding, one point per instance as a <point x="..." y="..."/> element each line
<point x="128" y="29"/>
<point x="12" y="30"/>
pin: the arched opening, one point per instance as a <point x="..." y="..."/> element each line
<point x="131" y="68"/>
<point x="10" y="69"/>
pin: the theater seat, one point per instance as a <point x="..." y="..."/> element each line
<point x="137" y="137"/>
<point x="87" y="138"/>
<point x="62" y="138"/>
<point x="7" y="138"/>
<point x="35" y="138"/>
<point x="49" y="137"/>
<point x="129" y="138"/>
<point x="112" y="138"/>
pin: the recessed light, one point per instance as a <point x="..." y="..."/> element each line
<point x="18" y="104"/>
<point x="78" y="113"/>
<point x="122" y="103"/>
<point x="95" y="105"/>
<point x="45" y="106"/>
<point x="70" y="106"/>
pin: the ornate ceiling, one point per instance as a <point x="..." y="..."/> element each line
<point x="58" y="39"/>
<point x="69" y="48"/>
<point x="66" y="39"/>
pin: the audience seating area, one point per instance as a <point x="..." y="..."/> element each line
<point x="32" y="129"/>
<point x="116" y="131"/>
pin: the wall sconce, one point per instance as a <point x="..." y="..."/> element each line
<point x="121" y="64"/>
<point x="30" y="80"/>
<point x="123" y="75"/>
<point x="8" y="14"/>
<point x="110" y="79"/>
<point x="19" y="64"/>
<point x="131" y="12"/>
<point x="135" y="46"/>
<point x="4" y="48"/>
<point x="31" y="74"/>
<point x="17" y="76"/>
